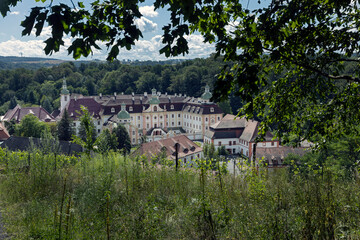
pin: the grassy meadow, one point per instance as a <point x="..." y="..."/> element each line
<point x="47" y="196"/>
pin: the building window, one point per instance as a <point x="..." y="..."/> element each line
<point x="206" y="119"/>
<point x="218" y="118"/>
<point x="264" y="144"/>
<point x="211" y="109"/>
<point x="179" y="115"/>
<point x="98" y="130"/>
<point x="234" y="142"/>
<point x="133" y="140"/>
<point x="112" y="110"/>
<point x="98" y="122"/>
<point x="154" y="117"/>
<point x="172" y="106"/>
<point x="138" y="125"/>
<point x="160" y="117"/>
<point x="172" y="116"/>
<point x="219" y="143"/>
<point x="230" y="143"/>
<point x="130" y="109"/>
<point x="155" y="108"/>
<point x="147" y="125"/>
<point x="133" y="132"/>
<point x="147" y="118"/>
<point x="179" y="123"/>
<point x="138" y="117"/>
<point x="272" y="144"/>
<point x="172" y="124"/>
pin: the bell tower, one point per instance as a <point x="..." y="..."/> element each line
<point x="64" y="96"/>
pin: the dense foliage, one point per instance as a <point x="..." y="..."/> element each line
<point x="43" y="86"/>
<point x="52" y="196"/>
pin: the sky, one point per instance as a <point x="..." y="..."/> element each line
<point x="147" y="48"/>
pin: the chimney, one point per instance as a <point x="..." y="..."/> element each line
<point x="179" y="94"/>
<point x="114" y="95"/>
<point x="132" y="93"/>
<point x="140" y="100"/>
<point x="145" y="94"/>
<point x="166" y="94"/>
<point x="100" y="95"/>
<point x="175" y="94"/>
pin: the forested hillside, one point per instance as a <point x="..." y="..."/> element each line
<point x="42" y="86"/>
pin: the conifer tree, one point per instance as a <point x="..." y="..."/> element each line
<point x="65" y="130"/>
<point x="123" y="138"/>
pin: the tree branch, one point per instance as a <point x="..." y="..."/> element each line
<point x="324" y="74"/>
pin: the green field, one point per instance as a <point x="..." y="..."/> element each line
<point x="112" y="197"/>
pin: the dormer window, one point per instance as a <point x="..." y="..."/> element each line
<point x="211" y="109"/>
<point x="112" y="110"/>
<point x="130" y="109"/>
<point x="172" y="106"/>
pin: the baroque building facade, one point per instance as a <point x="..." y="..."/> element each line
<point x="146" y="116"/>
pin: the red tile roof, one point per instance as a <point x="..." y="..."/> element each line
<point x="18" y="113"/>
<point x="187" y="147"/>
<point x="3" y="133"/>
<point x="74" y="108"/>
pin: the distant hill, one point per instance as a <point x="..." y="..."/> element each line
<point x="12" y="62"/>
<point x="27" y="62"/>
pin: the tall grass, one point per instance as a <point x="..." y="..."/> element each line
<point x="112" y="197"/>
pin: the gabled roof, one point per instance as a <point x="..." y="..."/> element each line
<point x="3" y="133"/>
<point x="74" y="107"/>
<point x="279" y="153"/>
<point x="18" y="113"/>
<point x="187" y="147"/>
<point x="250" y="131"/>
<point x="233" y="127"/>
<point x="230" y="121"/>
<point x="23" y="144"/>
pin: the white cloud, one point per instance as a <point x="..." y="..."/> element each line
<point x="30" y="48"/>
<point x="148" y="11"/>
<point x="143" y="49"/>
<point x="145" y="25"/>
<point x="14" y="13"/>
<point x="45" y="33"/>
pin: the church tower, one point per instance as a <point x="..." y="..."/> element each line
<point x="64" y="96"/>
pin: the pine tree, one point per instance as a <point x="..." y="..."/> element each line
<point x="13" y="103"/>
<point x="123" y="138"/>
<point x="47" y="105"/>
<point x="65" y="130"/>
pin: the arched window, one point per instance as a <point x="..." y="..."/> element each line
<point x="112" y="110"/>
<point x="130" y="109"/>
<point x="172" y="106"/>
<point x="155" y="108"/>
<point x="212" y="109"/>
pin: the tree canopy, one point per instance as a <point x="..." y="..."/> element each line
<point x="305" y="44"/>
